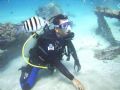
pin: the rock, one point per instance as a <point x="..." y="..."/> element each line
<point x="108" y="53"/>
<point x="103" y="27"/>
<point x="105" y="11"/>
<point x="11" y="43"/>
<point x="9" y="35"/>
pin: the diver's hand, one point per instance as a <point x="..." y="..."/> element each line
<point x="77" y="65"/>
<point x="78" y="84"/>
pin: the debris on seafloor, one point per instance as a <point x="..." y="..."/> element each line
<point x="103" y="27"/>
<point x="107" y="53"/>
<point x="104" y="11"/>
<point x="104" y="30"/>
<point x="7" y="32"/>
<point x="9" y="35"/>
<point x="9" y="41"/>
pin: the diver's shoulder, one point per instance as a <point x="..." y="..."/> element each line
<point x="48" y="35"/>
<point x="50" y="32"/>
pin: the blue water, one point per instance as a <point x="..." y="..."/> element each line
<point x="17" y="10"/>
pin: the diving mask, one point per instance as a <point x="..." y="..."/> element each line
<point x="65" y="27"/>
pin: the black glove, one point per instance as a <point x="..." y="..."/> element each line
<point x="77" y="65"/>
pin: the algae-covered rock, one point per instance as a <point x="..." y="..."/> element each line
<point x="108" y="53"/>
<point x="11" y="42"/>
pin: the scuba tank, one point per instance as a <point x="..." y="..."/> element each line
<point x="37" y="26"/>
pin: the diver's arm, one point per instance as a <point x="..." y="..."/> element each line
<point x="72" y="50"/>
<point x="70" y="45"/>
<point x="74" y="54"/>
<point x="64" y="71"/>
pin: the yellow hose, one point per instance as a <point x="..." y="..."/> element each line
<point x="26" y="58"/>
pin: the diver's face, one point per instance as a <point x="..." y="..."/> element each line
<point x="63" y="28"/>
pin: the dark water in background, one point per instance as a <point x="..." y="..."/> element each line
<point x="17" y="10"/>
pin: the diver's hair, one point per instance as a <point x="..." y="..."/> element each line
<point x="56" y="19"/>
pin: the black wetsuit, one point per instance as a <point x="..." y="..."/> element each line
<point x="49" y="50"/>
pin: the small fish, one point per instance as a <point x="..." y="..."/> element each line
<point x="34" y="23"/>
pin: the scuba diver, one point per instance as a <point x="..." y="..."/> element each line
<point x="49" y="50"/>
